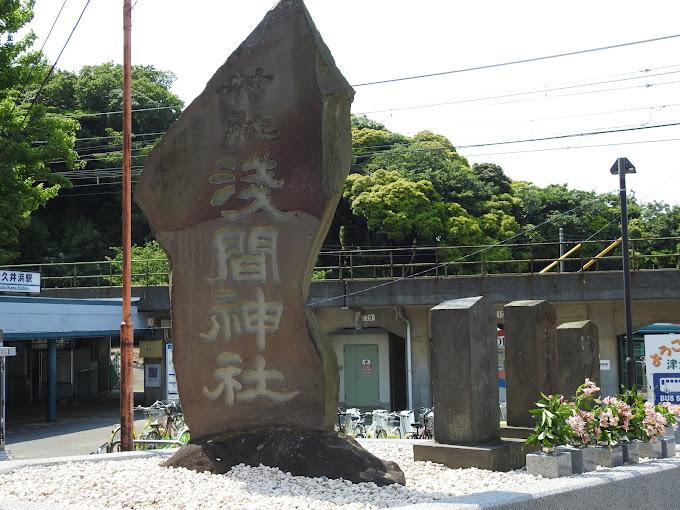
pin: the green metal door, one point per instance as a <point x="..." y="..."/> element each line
<point x="362" y="388"/>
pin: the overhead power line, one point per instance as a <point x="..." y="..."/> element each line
<point x="514" y="62"/>
<point x="543" y="92"/>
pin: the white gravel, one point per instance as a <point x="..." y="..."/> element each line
<point x="143" y="484"/>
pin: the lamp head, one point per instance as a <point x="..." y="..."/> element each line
<point x="627" y="166"/>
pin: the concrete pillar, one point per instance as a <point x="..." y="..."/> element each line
<point x="465" y="372"/>
<point x="579" y="355"/>
<point x="52" y="379"/>
<point x="531" y="360"/>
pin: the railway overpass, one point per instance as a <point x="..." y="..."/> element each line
<point x="391" y="314"/>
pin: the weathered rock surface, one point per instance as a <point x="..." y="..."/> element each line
<point x="311" y="454"/>
<point x="240" y="193"/>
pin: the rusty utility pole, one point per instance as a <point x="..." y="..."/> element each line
<point x="126" y="328"/>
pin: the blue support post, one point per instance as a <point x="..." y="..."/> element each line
<point x="51" y="380"/>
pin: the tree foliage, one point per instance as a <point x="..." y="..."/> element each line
<point x="30" y="138"/>
<point x="149" y="264"/>
<point x="84" y="224"/>
<point x="406" y="191"/>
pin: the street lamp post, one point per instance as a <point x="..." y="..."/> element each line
<point x="623" y="167"/>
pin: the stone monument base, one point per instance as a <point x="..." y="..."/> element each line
<point x="516" y="432"/>
<point x="498" y="455"/>
<point x="301" y="453"/>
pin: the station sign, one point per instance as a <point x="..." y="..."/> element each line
<point x="19" y="281"/>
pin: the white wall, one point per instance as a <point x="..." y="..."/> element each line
<point x="363" y="337"/>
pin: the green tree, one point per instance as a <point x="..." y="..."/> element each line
<point x="397" y="212"/>
<point x="95" y="204"/>
<point x="149" y="264"/>
<point x="494" y="177"/>
<point x="30" y="138"/>
<point x="661" y="223"/>
<point x="432" y="157"/>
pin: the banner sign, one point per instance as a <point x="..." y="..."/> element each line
<point x="662" y="365"/>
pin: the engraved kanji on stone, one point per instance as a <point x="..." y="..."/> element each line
<point x="260" y="377"/>
<point x="240" y="127"/>
<point x="236" y="85"/>
<point x="223" y="194"/>
<point x="255" y="86"/>
<point x="244" y="266"/>
<point x="225" y="375"/>
<point x="226" y="311"/>
<point x="262" y="181"/>
<point x="261" y="317"/>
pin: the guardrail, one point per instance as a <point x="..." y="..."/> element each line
<point x="435" y="261"/>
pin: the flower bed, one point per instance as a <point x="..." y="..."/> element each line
<point x="586" y="420"/>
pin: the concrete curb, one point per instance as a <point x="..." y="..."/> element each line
<point x="648" y="485"/>
<point x="12" y="465"/>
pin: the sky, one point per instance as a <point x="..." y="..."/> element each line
<point x="535" y="119"/>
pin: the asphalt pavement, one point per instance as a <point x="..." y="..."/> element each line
<point x="80" y="428"/>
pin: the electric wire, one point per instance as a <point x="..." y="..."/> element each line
<point x="42" y="86"/>
<point x="542" y="92"/>
<point x="33" y="68"/>
<point x="521" y="61"/>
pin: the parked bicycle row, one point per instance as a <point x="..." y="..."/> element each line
<point x="164" y="428"/>
<point x="383" y="424"/>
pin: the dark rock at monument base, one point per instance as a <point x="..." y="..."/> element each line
<point x="301" y="453"/>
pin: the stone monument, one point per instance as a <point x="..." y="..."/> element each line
<point x="578" y="346"/>
<point x="465" y="390"/>
<point x="240" y="193"/>
<point x="531" y="358"/>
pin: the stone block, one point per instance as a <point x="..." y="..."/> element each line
<point x="631" y="452"/>
<point x="578" y="350"/>
<point x="651" y="450"/>
<point x="498" y="455"/>
<point x="583" y="459"/>
<point x="465" y="356"/>
<point x="531" y="358"/>
<point x="667" y="447"/>
<point x="516" y="432"/>
<point x="549" y="465"/>
<point x="609" y="457"/>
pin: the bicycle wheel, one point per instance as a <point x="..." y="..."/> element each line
<point x="184" y="435"/>
<point x="154" y="435"/>
<point x="396" y="431"/>
<point x="360" y="436"/>
<point x="382" y="434"/>
<point x="114" y="443"/>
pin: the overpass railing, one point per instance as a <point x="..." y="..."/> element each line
<point x="435" y="261"/>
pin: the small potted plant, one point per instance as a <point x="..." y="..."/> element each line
<point x="646" y="425"/>
<point x="551" y="430"/>
<point x="671" y="413"/>
<point x="583" y="458"/>
<point x="612" y="415"/>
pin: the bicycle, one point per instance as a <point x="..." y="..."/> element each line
<point x="164" y="422"/>
<point x="351" y="422"/>
<point x="378" y="428"/>
<point x="403" y="422"/>
<point x="425" y="421"/>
